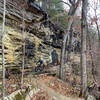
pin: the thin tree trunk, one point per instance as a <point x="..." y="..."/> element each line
<point x="23" y="65"/>
<point x="45" y="4"/>
<point x="3" y="58"/>
<point x="91" y="55"/>
<point x="62" y="58"/>
<point x="23" y="62"/>
<point x="98" y="63"/>
<point x="69" y="45"/>
<point x="83" y="48"/>
<point x="70" y="21"/>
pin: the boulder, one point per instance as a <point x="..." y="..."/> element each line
<point x="91" y="97"/>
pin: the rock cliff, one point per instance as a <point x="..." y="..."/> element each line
<point x="39" y="40"/>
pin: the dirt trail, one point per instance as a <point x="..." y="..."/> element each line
<point x="51" y="93"/>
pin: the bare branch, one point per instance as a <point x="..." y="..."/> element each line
<point x="74" y="7"/>
<point x="72" y="2"/>
<point x="65" y="3"/>
<point x="98" y="14"/>
<point x="77" y="3"/>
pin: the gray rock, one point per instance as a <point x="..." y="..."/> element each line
<point x="91" y="97"/>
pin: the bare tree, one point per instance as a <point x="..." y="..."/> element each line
<point x="3" y="58"/>
<point x="95" y="19"/>
<point x="71" y="14"/>
<point x="84" y="27"/>
<point x="98" y="31"/>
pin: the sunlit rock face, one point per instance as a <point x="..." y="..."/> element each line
<point x="39" y="40"/>
<point x="35" y="48"/>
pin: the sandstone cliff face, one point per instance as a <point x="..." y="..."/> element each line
<point x="39" y="40"/>
<point x="34" y="48"/>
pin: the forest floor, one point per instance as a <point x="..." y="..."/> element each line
<point x="11" y="85"/>
<point x="50" y="88"/>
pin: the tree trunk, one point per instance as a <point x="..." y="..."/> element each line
<point x="98" y="56"/>
<point x="45" y="4"/>
<point x="63" y="58"/>
<point x="69" y="45"/>
<point x="92" y="60"/>
<point x="3" y="59"/>
<point x="23" y="65"/>
<point x="70" y="21"/>
<point x="83" y="46"/>
<point x="23" y="52"/>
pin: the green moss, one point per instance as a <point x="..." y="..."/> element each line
<point x="90" y="84"/>
<point x="20" y="96"/>
<point x="0" y="88"/>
